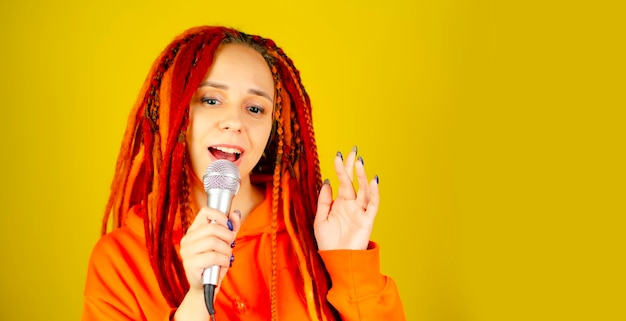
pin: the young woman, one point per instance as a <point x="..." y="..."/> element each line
<point x="287" y="250"/>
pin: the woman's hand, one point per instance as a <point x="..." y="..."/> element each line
<point x="346" y="223"/>
<point x="207" y="244"/>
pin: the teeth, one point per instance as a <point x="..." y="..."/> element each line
<point x="229" y="150"/>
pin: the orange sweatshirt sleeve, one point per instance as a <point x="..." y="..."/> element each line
<point x="359" y="291"/>
<point x="120" y="283"/>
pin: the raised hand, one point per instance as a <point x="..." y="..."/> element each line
<point x="346" y="222"/>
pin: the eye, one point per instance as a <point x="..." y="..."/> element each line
<point x="256" y="109"/>
<point x="209" y="101"/>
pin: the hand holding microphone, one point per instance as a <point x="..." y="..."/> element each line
<point x="221" y="183"/>
<point x="207" y="244"/>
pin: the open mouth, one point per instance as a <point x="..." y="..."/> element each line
<point x="228" y="153"/>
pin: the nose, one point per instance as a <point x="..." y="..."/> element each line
<point x="230" y="119"/>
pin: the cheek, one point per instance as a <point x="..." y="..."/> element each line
<point x="194" y="124"/>
<point x="199" y="126"/>
<point x="194" y="150"/>
<point x="267" y="132"/>
<point x="193" y="157"/>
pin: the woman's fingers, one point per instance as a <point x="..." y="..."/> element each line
<point x="346" y="221"/>
<point x="215" y="230"/>
<point x="209" y="241"/>
<point x="213" y="223"/>
<point x="324" y="202"/>
<point x="208" y="215"/>
<point x="208" y="259"/>
<point x="205" y="242"/>
<point x="345" y="175"/>
<point x="349" y="164"/>
<point x="363" y="195"/>
<point x="235" y="219"/>
<point x="374" y="198"/>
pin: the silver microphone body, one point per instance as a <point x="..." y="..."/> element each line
<point x="221" y="183"/>
<point x="219" y="199"/>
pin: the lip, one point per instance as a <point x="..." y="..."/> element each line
<point x="237" y="162"/>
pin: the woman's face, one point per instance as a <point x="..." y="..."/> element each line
<point x="231" y="111"/>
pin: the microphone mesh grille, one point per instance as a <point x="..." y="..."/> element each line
<point x="222" y="174"/>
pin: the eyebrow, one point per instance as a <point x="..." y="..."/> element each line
<point x="253" y="91"/>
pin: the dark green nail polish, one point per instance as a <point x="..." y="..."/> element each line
<point x="355" y="149"/>
<point x="326" y="181"/>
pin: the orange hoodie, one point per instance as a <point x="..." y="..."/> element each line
<point x="120" y="283"/>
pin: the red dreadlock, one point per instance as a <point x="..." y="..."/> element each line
<point x="151" y="170"/>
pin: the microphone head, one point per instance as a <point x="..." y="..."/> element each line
<point x="222" y="174"/>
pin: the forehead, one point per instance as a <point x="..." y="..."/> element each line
<point x="243" y="61"/>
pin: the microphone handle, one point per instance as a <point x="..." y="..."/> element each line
<point x="210" y="275"/>
<point x="219" y="199"/>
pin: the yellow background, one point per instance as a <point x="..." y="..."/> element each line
<point x="497" y="132"/>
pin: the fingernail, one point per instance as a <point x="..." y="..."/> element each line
<point x="340" y="156"/>
<point x="230" y="224"/>
<point x="232" y="258"/>
<point x="238" y="213"/>
<point x="232" y="244"/>
<point x="326" y="181"/>
<point x="376" y="179"/>
<point x="355" y="149"/>
<point x="361" y="160"/>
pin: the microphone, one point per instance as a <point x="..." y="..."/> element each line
<point x="221" y="182"/>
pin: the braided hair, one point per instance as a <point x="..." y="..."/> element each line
<point x="152" y="167"/>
